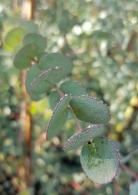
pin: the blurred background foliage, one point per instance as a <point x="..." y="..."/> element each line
<point x="101" y="36"/>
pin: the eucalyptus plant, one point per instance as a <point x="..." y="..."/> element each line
<point x="48" y="75"/>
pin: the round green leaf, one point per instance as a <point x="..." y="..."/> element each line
<point x="53" y="98"/>
<point x="13" y="38"/>
<point x="39" y="89"/>
<point x="72" y="88"/>
<point x="25" y="55"/>
<point x="50" y="75"/>
<point x="89" y="109"/>
<point x="58" y="118"/>
<point x="80" y="138"/>
<point x="54" y="60"/>
<point x="35" y="38"/>
<point x="99" y="160"/>
<point x="41" y="81"/>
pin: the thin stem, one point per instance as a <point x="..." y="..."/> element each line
<point x="61" y="94"/>
<point x="129" y="171"/>
<point x="32" y="7"/>
<point x="116" y="188"/>
<point x="129" y="156"/>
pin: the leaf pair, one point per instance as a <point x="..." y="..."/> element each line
<point x="99" y="158"/>
<point x="51" y="69"/>
<point x="32" y="49"/>
<point x="37" y="83"/>
<point x="27" y="46"/>
<point x="85" y="109"/>
<point x="67" y="87"/>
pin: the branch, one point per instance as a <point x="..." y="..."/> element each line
<point x="116" y="188"/>
<point x="129" y="171"/>
<point x="129" y="156"/>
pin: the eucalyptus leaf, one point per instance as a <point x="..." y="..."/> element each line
<point x="89" y="109"/>
<point x="35" y="38"/>
<point x="28" y="25"/>
<point x="39" y="89"/>
<point x="133" y="188"/>
<point x="99" y="160"/>
<point x="53" y="98"/>
<point x="25" y="55"/>
<point x="13" y="38"/>
<point x="54" y="60"/>
<point x="80" y="138"/>
<point x="39" y="82"/>
<point x="72" y="88"/>
<point x="50" y="75"/>
<point x="59" y="117"/>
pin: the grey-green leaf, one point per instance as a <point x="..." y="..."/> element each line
<point x="25" y="55"/>
<point x="53" y="98"/>
<point x="39" y="89"/>
<point x="133" y="188"/>
<point x="35" y="38"/>
<point x="99" y="160"/>
<point x="89" y="109"/>
<point x="50" y="75"/>
<point x="80" y="138"/>
<point x="58" y="118"/>
<point x="72" y="88"/>
<point x="28" y="25"/>
<point x="54" y="60"/>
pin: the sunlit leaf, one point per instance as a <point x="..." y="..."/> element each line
<point x="99" y="160"/>
<point x="13" y="38"/>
